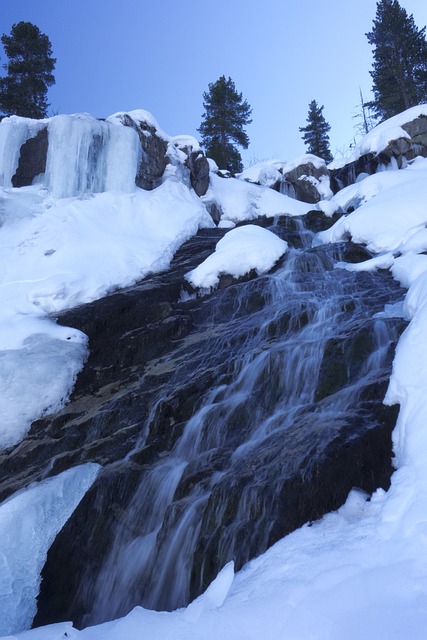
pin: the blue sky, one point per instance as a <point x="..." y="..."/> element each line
<point x="161" y="56"/>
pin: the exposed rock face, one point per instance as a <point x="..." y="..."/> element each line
<point x="417" y="129"/>
<point x="32" y="160"/>
<point x="199" y="172"/>
<point x="153" y="160"/>
<point x="304" y="182"/>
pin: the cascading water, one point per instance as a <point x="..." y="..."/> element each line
<point x="295" y="359"/>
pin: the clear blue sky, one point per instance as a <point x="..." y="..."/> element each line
<point x="161" y="55"/>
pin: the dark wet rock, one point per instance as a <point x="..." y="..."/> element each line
<point x="32" y="159"/>
<point x="355" y="253"/>
<point x="317" y="221"/>
<point x="282" y="497"/>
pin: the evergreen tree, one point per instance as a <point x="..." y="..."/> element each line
<point x="400" y="60"/>
<point x="226" y="113"/>
<point x="29" y="72"/>
<point x="315" y="134"/>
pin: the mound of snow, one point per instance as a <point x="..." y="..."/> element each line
<point x="239" y="200"/>
<point x="392" y="209"/>
<point x="238" y="252"/>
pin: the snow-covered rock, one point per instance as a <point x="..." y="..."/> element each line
<point x="390" y="144"/>
<point x="305" y="178"/>
<point x="240" y="251"/>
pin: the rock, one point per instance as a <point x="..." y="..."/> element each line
<point x="398" y="151"/>
<point x="153" y="160"/>
<point x="32" y="159"/>
<point x="317" y="221"/>
<point x="344" y="176"/>
<point x="417" y="129"/>
<point x="307" y="182"/>
<point x="199" y="172"/>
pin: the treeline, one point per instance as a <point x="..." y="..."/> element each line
<point x="399" y="81"/>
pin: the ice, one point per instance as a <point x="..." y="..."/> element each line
<point x="14" y="132"/>
<point x="36" y="379"/>
<point x="29" y="522"/>
<point x="238" y="252"/>
<point x="86" y="155"/>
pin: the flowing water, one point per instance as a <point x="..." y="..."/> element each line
<point x="294" y="357"/>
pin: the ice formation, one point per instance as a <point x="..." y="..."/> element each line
<point x="29" y="522"/>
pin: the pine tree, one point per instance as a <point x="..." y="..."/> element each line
<point x="226" y="113"/>
<point x="400" y="60"/>
<point x="316" y="132"/>
<point x="29" y="72"/>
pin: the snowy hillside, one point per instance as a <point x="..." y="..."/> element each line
<point x="85" y="230"/>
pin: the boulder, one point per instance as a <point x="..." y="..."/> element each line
<point x="153" y="161"/>
<point x="307" y="182"/>
<point x="199" y="171"/>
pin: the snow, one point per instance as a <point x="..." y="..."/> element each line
<point x="238" y="252"/>
<point x="392" y="208"/>
<point x="87" y="231"/>
<point x="380" y="136"/>
<point x="140" y="117"/>
<point x="29" y="522"/>
<point x="360" y="572"/>
<point x="240" y="201"/>
<point x="270" y="171"/>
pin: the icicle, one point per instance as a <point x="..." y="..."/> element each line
<point x="89" y="155"/>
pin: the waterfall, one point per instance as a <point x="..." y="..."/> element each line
<point x="298" y="356"/>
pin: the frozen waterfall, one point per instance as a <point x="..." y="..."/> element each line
<point x="84" y="155"/>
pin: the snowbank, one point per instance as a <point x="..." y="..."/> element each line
<point x="237" y="253"/>
<point x="392" y="208"/>
<point x="240" y="200"/>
